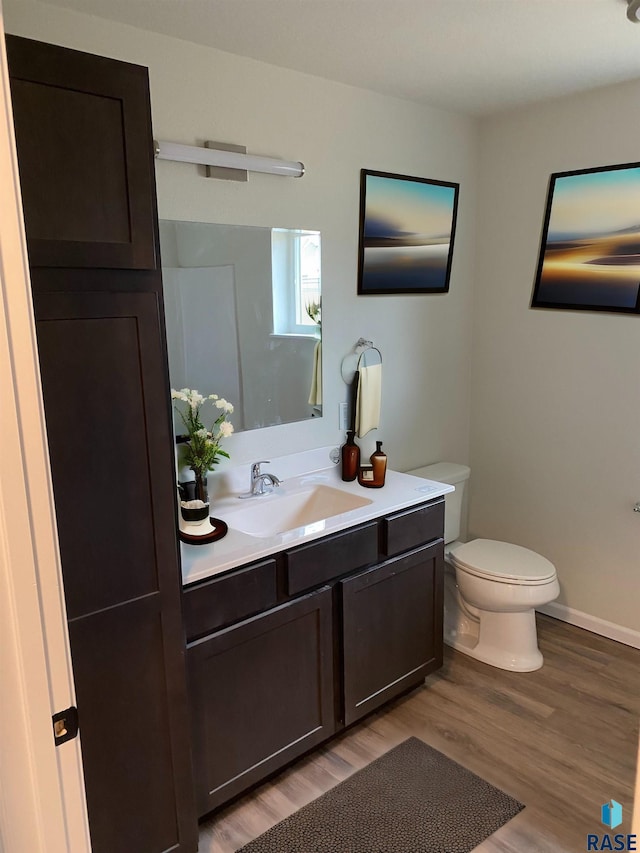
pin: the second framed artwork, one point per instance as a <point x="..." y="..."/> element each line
<point x="590" y="251"/>
<point x="407" y="230"/>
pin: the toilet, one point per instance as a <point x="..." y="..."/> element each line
<point x="491" y="588"/>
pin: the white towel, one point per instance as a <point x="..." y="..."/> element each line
<point x="368" y="403"/>
<point x="315" y="395"/>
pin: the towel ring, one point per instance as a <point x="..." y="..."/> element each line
<point x="359" y="351"/>
<point x="361" y="359"/>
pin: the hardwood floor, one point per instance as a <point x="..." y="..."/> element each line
<point x="562" y="740"/>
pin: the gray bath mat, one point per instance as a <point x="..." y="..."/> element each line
<point x="413" y="799"/>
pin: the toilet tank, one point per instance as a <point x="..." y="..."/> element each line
<point x="456" y="475"/>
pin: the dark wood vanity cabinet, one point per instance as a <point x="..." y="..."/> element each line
<point x="85" y="156"/>
<point x="359" y="622"/>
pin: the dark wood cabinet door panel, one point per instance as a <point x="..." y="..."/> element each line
<point x="412" y="527"/>
<point x="138" y="784"/>
<point x="84" y="142"/>
<point x="229" y="598"/>
<point x="107" y="414"/>
<point x="262" y="694"/>
<point x="321" y="561"/>
<point x="392" y="624"/>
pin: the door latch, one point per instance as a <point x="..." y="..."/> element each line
<point x="65" y="725"/>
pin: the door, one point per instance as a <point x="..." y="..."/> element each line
<point x="392" y="628"/>
<point x="85" y="152"/>
<point x="262" y="694"/>
<point x="109" y="440"/>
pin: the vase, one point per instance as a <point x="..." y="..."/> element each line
<point x="194" y="500"/>
<point x="201" y="492"/>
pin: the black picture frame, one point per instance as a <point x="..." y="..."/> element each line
<point x="407" y="233"/>
<point x="589" y="258"/>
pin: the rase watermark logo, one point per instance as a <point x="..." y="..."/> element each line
<point x="611" y="816"/>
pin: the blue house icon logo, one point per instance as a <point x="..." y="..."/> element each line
<point x="612" y="814"/>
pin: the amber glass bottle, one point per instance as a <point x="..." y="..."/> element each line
<point x="379" y="463"/>
<point x="350" y="455"/>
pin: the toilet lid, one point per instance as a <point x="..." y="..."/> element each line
<point x="502" y="561"/>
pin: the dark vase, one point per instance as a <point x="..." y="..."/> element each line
<point x="201" y="491"/>
<point x="194" y="490"/>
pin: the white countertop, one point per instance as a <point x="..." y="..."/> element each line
<point x="236" y="548"/>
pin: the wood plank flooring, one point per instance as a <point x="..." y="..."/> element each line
<point x="562" y="740"/>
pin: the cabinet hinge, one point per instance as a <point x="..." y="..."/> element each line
<point x="65" y="725"/>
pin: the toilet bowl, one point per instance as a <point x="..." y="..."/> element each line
<point x="491" y="588"/>
<point x="494" y="589"/>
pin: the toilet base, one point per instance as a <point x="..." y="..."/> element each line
<point x="504" y="640"/>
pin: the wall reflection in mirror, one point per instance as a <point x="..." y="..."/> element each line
<point x="244" y="319"/>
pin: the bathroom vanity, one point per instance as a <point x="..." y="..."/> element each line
<point x="293" y="636"/>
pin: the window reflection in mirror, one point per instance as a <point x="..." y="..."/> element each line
<point x="243" y="316"/>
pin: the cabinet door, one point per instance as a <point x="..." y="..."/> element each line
<point x="108" y="428"/>
<point x="262" y="694"/>
<point x="85" y="154"/>
<point x="392" y="623"/>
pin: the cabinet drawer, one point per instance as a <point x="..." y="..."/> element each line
<point x="319" y="562"/>
<point x="229" y="598"/>
<point x="412" y="527"/>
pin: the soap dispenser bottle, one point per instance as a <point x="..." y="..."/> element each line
<point x="350" y="456"/>
<point x="379" y="463"/>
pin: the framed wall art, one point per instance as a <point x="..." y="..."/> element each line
<point x="590" y="249"/>
<point x="407" y="229"/>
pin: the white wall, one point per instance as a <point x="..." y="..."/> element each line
<point x="199" y="93"/>
<point x="555" y="394"/>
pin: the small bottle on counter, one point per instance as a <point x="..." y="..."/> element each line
<point x="373" y="475"/>
<point x="350" y="456"/>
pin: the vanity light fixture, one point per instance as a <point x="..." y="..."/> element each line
<point x="225" y="159"/>
<point x="633" y="11"/>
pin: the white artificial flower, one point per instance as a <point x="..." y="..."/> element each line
<point x="196" y="400"/>
<point x="223" y="404"/>
<point x="213" y="397"/>
<point x="178" y="395"/>
<point x="226" y="429"/>
<point x="201" y="433"/>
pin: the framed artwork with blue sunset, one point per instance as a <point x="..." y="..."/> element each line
<point x="407" y="230"/>
<point x="590" y="250"/>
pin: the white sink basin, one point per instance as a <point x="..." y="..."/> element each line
<point x="280" y="511"/>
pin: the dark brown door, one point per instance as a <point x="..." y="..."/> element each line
<point x="85" y="154"/>
<point x="84" y="151"/>
<point x="392" y="623"/>
<point x="262" y="694"/>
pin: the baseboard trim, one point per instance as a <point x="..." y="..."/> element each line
<point x="592" y="623"/>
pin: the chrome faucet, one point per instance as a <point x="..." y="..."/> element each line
<point x="262" y="483"/>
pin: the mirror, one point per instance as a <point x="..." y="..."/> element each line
<point x="243" y="318"/>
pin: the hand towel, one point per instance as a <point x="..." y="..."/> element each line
<point x="369" y="396"/>
<point x="315" y="394"/>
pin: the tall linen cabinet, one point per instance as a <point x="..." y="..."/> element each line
<point x="85" y="154"/>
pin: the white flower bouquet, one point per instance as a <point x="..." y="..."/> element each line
<point x="202" y="446"/>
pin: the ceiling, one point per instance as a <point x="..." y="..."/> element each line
<point x="471" y="56"/>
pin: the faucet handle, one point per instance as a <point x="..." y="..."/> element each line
<point x="255" y="468"/>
